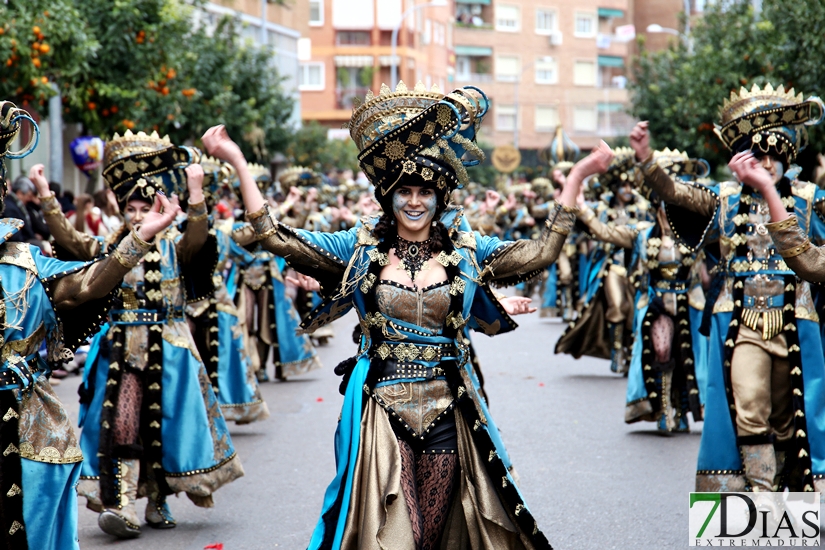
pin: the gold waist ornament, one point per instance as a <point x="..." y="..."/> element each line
<point x="772" y="321"/>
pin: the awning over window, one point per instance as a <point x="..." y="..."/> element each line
<point x="353" y="61"/>
<point x="474" y="51"/>
<point x="485" y="2"/>
<point x="611" y="61"/>
<point x="612" y="107"/>
<point x="610" y="12"/>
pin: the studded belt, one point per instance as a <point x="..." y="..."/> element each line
<point x="764" y="302"/>
<point x="392" y="371"/>
<point x="141" y="316"/>
<point x="743" y="266"/>
<point x="413" y="352"/>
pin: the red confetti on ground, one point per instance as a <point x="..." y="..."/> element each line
<point x="319" y="399"/>
<point x="541" y="384"/>
<point x="216" y="546"/>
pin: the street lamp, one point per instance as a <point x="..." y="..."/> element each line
<point x="655" y="28"/>
<point x="393" y="60"/>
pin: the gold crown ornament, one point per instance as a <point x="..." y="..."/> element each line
<point x="137" y="165"/>
<point x="769" y="121"/>
<point x="622" y="169"/>
<point x="262" y="176"/>
<point x="678" y="164"/>
<point x="562" y="153"/>
<point x="217" y="175"/>
<point x="420" y="134"/>
<point x="299" y="176"/>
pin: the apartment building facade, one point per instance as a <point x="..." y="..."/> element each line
<point x="349" y="46"/>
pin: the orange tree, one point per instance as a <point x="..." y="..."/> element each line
<point x="41" y="41"/>
<point x="223" y="79"/>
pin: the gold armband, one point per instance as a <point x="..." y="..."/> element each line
<point x="131" y="249"/>
<point x="49" y="205"/>
<point x="788" y="237"/>
<point x="262" y="222"/>
<point x="197" y="212"/>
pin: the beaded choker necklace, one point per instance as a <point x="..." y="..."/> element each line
<point x="413" y="255"/>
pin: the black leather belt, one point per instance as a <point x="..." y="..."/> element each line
<point x="139" y="316"/>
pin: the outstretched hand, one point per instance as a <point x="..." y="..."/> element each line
<point x="640" y="140"/>
<point x="217" y="143"/>
<point x="161" y="216"/>
<point x="596" y="162"/>
<point x="303" y="281"/>
<point x="746" y="168"/>
<point x="517" y="305"/>
<point x="491" y="200"/>
<point x="36" y="174"/>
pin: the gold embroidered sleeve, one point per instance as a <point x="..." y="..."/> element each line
<point x="197" y="230"/>
<point x="98" y="279"/>
<point x="679" y="194"/>
<point x="301" y="255"/>
<point x="620" y="235"/>
<point x="806" y="260"/>
<point x="80" y="245"/>
<point x="525" y="256"/>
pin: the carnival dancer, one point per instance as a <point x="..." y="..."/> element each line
<point x="417" y="457"/>
<point x="59" y="303"/>
<point x="271" y="316"/>
<point x="604" y="327"/>
<point x="151" y="422"/>
<point x="219" y="330"/>
<point x="763" y="426"/>
<point x="662" y="382"/>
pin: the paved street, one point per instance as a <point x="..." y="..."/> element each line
<point x="591" y="480"/>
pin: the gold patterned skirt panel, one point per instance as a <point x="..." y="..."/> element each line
<point x="419" y="405"/>
<point x="378" y="517"/>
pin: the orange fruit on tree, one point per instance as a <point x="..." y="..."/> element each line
<point x="113" y="109"/>
<point x="91" y="105"/>
<point x="36" y="62"/>
<point x="45" y="48"/>
<point x="44" y="80"/>
<point x="35" y="46"/>
<point x="36" y="29"/>
<point x="164" y="90"/>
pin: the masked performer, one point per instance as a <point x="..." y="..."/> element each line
<point x="59" y="304"/>
<point x="152" y="425"/>
<point x="416" y="456"/>
<point x="604" y="329"/>
<point x="217" y="327"/>
<point x="271" y="317"/>
<point x="763" y="427"/>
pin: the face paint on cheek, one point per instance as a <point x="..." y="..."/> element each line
<point x="398" y="203"/>
<point x="430" y="204"/>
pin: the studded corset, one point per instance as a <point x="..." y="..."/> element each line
<point x="413" y="392"/>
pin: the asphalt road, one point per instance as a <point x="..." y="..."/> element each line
<point x="591" y="480"/>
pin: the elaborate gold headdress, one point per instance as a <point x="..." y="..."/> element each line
<point x="418" y="132"/>
<point x="138" y="165"/>
<point x="562" y="153"/>
<point x="768" y="120"/>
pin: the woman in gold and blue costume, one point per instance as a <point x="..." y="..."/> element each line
<point x="417" y="467"/>
<point x="151" y="422"/>
<point x="663" y="380"/>
<point x="764" y="428"/>
<point x="45" y="300"/>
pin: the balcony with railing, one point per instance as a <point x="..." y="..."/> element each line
<point x="474" y="14"/>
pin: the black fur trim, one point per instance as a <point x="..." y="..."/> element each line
<point x="11" y="474"/>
